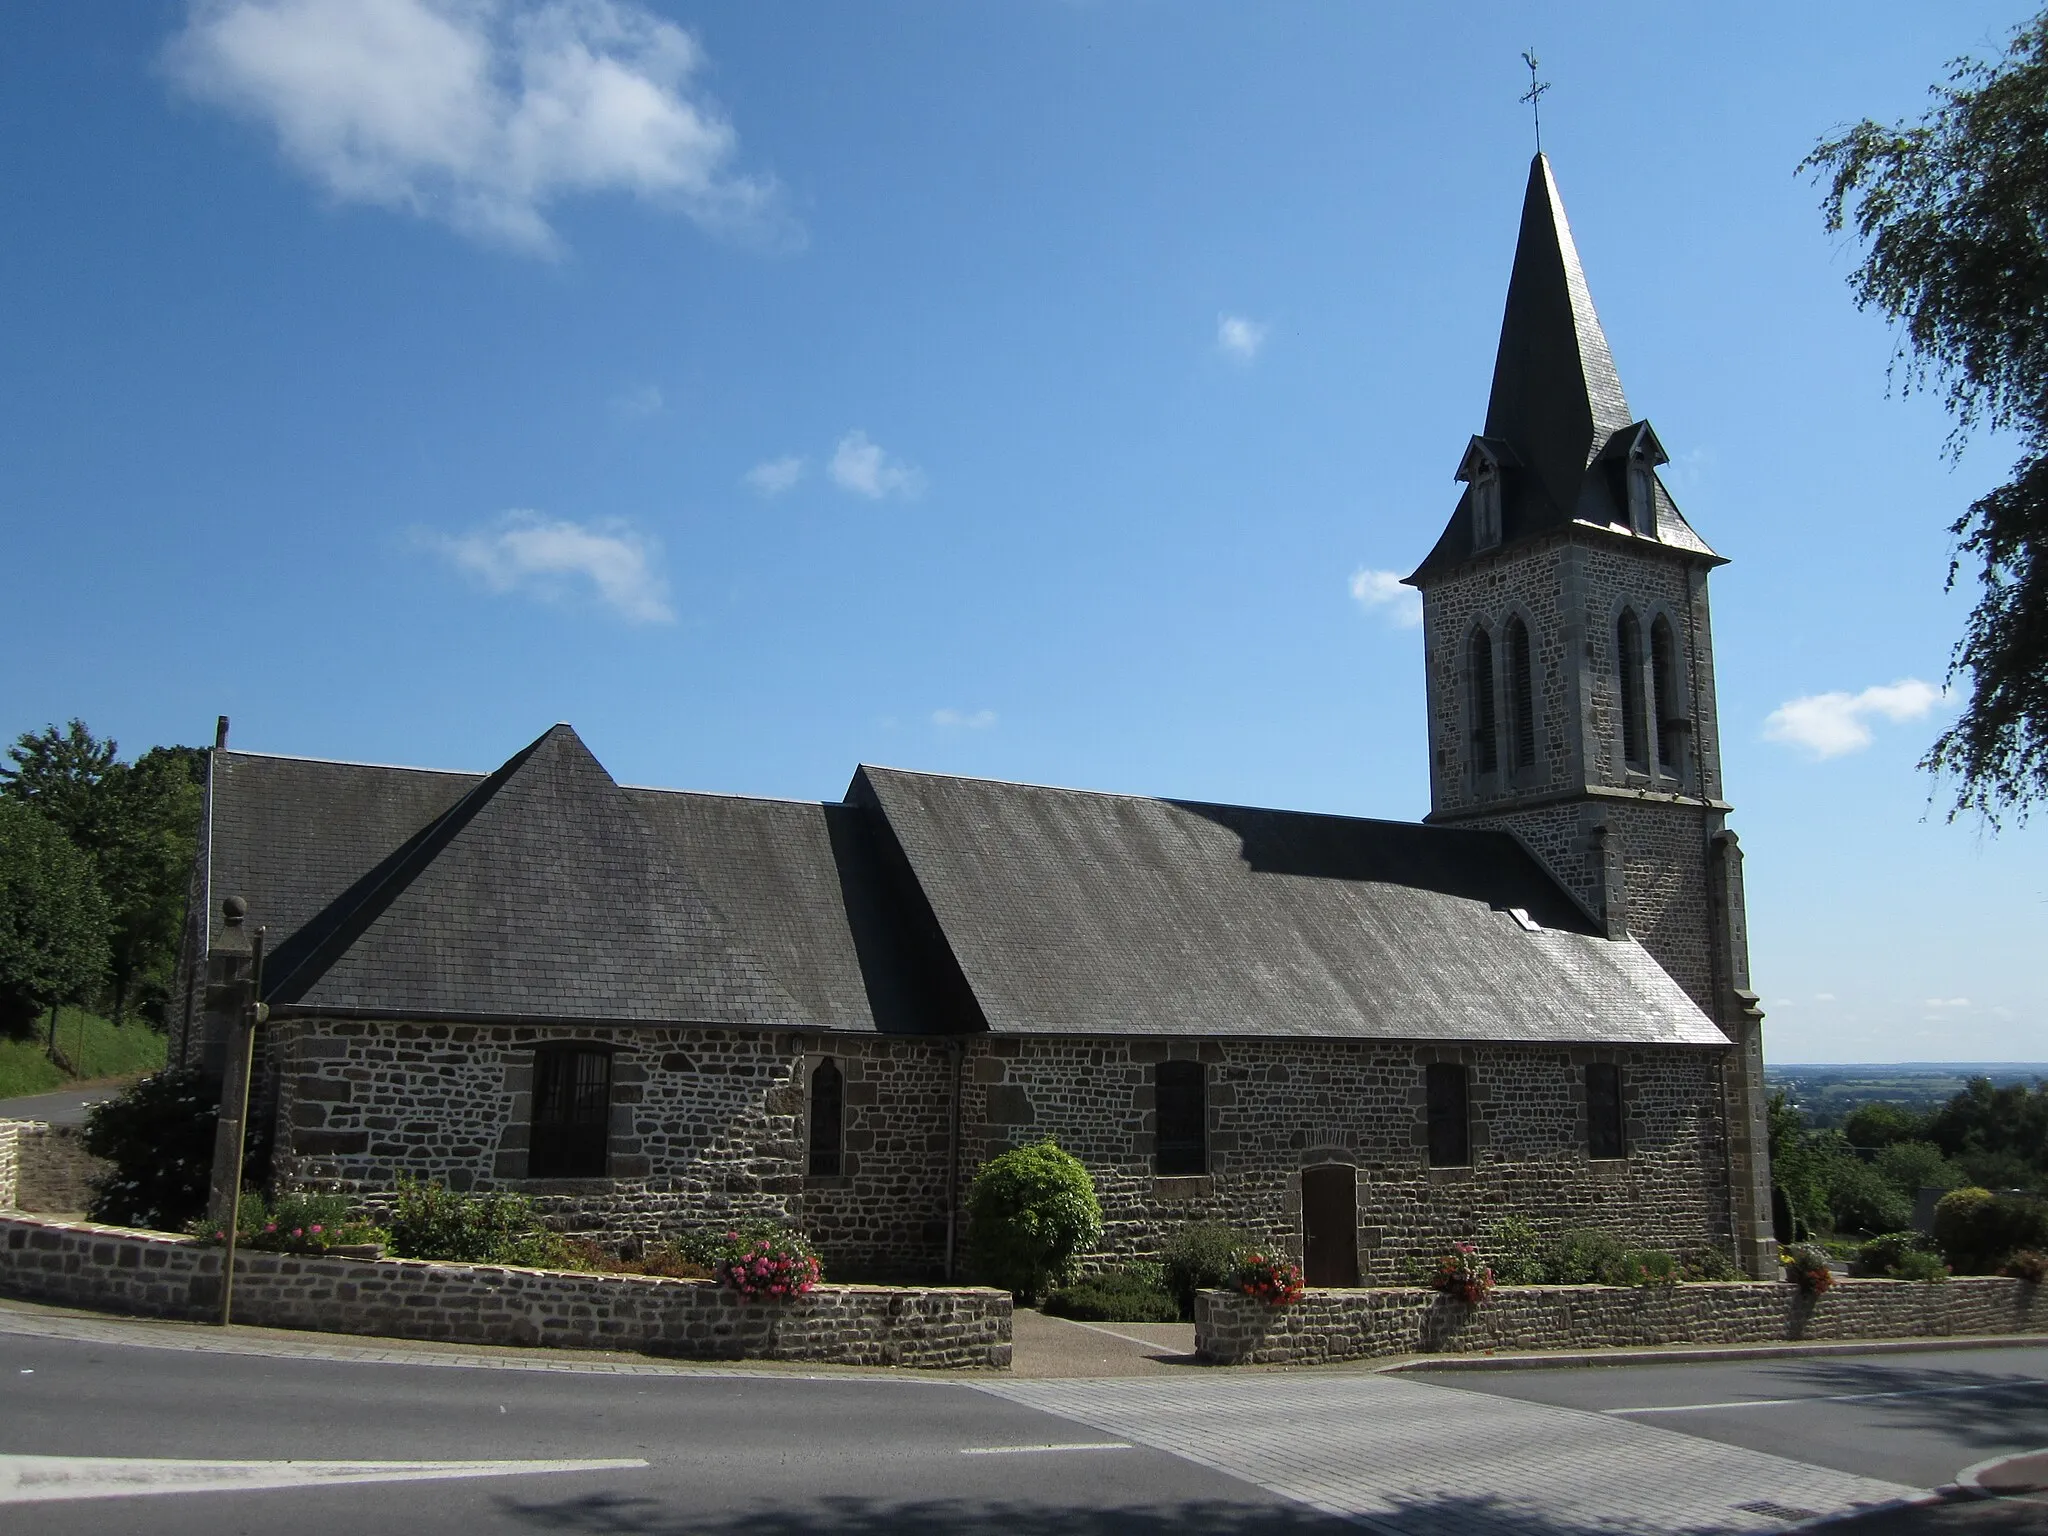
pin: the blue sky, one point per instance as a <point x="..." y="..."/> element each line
<point x="1025" y="389"/>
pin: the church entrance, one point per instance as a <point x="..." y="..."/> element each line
<point x="1329" y="1224"/>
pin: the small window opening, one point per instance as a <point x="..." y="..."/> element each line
<point x="1182" y="1118"/>
<point x="1450" y="1131"/>
<point x="1642" y="497"/>
<point x="1485" y="750"/>
<point x="1486" y="507"/>
<point x="1628" y="650"/>
<point x="572" y="1107"/>
<point x="1521" y="697"/>
<point x="1669" y="713"/>
<point x="828" y="1118"/>
<point x="1605" y="1135"/>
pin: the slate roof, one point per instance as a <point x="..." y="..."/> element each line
<point x="1556" y="399"/>
<point x="1073" y="912"/>
<point x="923" y="903"/>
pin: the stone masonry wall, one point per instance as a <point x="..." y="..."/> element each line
<point x="45" y="1167"/>
<point x="1275" y="1107"/>
<point x="1355" y="1325"/>
<point x="708" y="1126"/>
<point x="154" y="1275"/>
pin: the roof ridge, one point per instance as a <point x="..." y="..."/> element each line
<point x="350" y="762"/>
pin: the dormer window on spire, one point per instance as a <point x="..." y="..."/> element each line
<point x="1642" y="494"/>
<point x="1486" y="508"/>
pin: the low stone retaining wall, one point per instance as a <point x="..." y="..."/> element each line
<point x="45" y="1167"/>
<point x="1356" y="1325"/>
<point x="151" y="1274"/>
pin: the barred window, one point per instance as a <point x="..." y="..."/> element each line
<point x="1666" y="708"/>
<point x="1605" y="1135"/>
<point x="1450" y="1131"/>
<point x="1521" y="697"/>
<point x="1479" y="674"/>
<point x="572" y="1108"/>
<point x="1181" y="1115"/>
<point x="1628" y="655"/>
<point x="828" y="1118"/>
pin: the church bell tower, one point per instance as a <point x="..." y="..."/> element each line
<point x="1571" y="669"/>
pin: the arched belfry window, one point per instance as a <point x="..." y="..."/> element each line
<point x="828" y="1117"/>
<point x="1521" y="697"/>
<point x="1667" y="708"/>
<point x="1479" y="681"/>
<point x="1628" y="655"/>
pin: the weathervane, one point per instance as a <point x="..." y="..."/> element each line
<point x="1535" y="95"/>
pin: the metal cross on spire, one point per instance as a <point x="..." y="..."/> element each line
<point x="1534" y="96"/>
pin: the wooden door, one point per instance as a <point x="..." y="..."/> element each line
<point x="1329" y="1224"/>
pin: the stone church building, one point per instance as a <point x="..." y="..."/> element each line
<point x="1364" y="1040"/>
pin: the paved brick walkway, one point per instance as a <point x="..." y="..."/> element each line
<point x="1417" y="1460"/>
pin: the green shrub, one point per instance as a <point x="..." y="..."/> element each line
<point x="1517" y="1253"/>
<point x="432" y="1222"/>
<point x="2029" y="1265"/>
<point x="1643" y="1266"/>
<point x="158" y="1135"/>
<point x="1134" y="1293"/>
<point x="1708" y="1263"/>
<point x="1922" y="1266"/>
<point x="1880" y="1257"/>
<point x="1199" y="1257"/>
<point x="1031" y="1214"/>
<point x="1860" y="1199"/>
<point x="297" y="1222"/>
<point x="1978" y="1231"/>
<point x="1911" y="1166"/>
<point x="1585" y="1258"/>
<point x="703" y="1247"/>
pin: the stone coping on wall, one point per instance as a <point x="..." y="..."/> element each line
<point x="1331" y="1325"/>
<point x="156" y="1274"/>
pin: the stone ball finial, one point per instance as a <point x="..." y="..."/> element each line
<point x="234" y="909"/>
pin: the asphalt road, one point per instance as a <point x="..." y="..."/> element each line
<point x="767" y="1456"/>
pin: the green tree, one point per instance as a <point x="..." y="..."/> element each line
<point x="53" y="921"/>
<point x="1031" y="1214"/>
<point x="137" y="822"/>
<point x="1953" y="212"/>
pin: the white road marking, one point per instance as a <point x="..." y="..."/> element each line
<point x="37" y="1479"/>
<point x="1034" y="1450"/>
<point x="1129" y="1338"/>
<point x="1844" y="1397"/>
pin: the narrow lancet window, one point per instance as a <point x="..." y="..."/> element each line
<point x="1450" y="1129"/>
<point x="1181" y="1116"/>
<point x="1628" y="654"/>
<point x="1479" y="670"/>
<point x="828" y="1118"/>
<point x="1521" y="698"/>
<point x="1667" y="711"/>
<point x="1606" y="1133"/>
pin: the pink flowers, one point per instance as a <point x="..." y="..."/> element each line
<point x="773" y="1267"/>
<point x="1463" y="1274"/>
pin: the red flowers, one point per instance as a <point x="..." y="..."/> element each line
<point x="1276" y="1282"/>
<point x="1463" y="1274"/>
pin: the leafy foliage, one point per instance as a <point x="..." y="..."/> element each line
<point x="53" y="920"/>
<point x="1200" y="1257"/>
<point x="1031" y="1214"/>
<point x="305" y="1222"/>
<point x="1953" y="210"/>
<point x="1587" y="1258"/>
<point x="159" y="1137"/>
<point x="1979" y="1231"/>
<point x="1132" y="1293"/>
<point x="1518" y="1253"/>
<point x="434" y="1222"/>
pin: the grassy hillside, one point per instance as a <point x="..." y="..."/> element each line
<point x="93" y="1046"/>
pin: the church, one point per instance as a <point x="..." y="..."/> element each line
<point x="1361" y="1040"/>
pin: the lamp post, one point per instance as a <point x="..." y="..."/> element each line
<point x="256" y="1012"/>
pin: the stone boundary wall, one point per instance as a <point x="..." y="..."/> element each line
<point x="45" y="1167"/>
<point x="153" y="1274"/>
<point x="1323" y="1326"/>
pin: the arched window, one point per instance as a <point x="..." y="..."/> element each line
<point x="1479" y="675"/>
<point x="828" y="1117"/>
<point x="1667" y="711"/>
<point x="1628" y="654"/>
<point x="1521" y="698"/>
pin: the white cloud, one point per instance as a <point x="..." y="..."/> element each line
<point x="960" y="719"/>
<point x="1831" y="724"/>
<point x="479" y="113"/>
<point x="863" y="468"/>
<point x="1823" y="997"/>
<point x="638" y="403"/>
<point x="1946" y="1002"/>
<point x="525" y="551"/>
<point x="774" y="476"/>
<point x="1238" y="338"/>
<point x="1382" y="592"/>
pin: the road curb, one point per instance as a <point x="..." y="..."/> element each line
<point x="1703" y="1354"/>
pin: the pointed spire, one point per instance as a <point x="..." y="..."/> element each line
<point x="1556" y="396"/>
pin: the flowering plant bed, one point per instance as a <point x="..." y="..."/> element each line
<point x="1806" y="1266"/>
<point x="298" y="1223"/>
<point x="1463" y="1274"/>
<point x="1276" y="1282"/>
<point x="773" y="1268"/>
